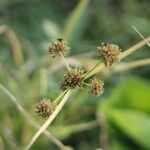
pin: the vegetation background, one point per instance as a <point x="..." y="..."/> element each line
<point x="26" y="69"/>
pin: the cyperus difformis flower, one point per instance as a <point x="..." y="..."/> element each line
<point x="108" y="53"/>
<point x="72" y="79"/>
<point x="97" y="87"/>
<point x="45" y="108"/>
<point x="58" y="45"/>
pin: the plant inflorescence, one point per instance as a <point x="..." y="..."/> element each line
<point x="45" y="108"/>
<point x="75" y="78"/>
<point x="58" y="46"/>
<point x="108" y="53"/>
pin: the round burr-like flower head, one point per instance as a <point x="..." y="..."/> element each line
<point x="108" y="53"/>
<point x="97" y="87"/>
<point x="58" y="45"/>
<point x="72" y="79"/>
<point x="45" y="108"/>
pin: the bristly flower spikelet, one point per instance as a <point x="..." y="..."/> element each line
<point x="45" y="108"/>
<point x="108" y="53"/>
<point x="58" y="46"/>
<point x="97" y="87"/>
<point x="76" y="78"/>
<point x="72" y="79"/>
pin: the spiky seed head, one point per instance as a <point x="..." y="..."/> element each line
<point x="97" y="87"/>
<point x="45" y="108"/>
<point x="58" y="45"/>
<point x="108" y="53"/>
<point x="72" y="79"/>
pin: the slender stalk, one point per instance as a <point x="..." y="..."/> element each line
<point x="1" y="144"/>
<point x="130" y="65"/>
<point x="86" y="84"/>
<point x="29" y="118"/>
<point x="49" y="120"/>
<point x="134" y="48"/>
<point x="103" y="137"/>
<point x="64" y="61"/>
<point x="56" y="101"/>
<point x="101" y="66"/>
<point x="148" y="44"/>
<point x="95" y="70"/>
<point x="86" y="126"/>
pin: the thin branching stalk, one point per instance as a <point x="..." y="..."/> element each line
<point x="64" y="61"/>
<point x="97" y="68"/>
<point x="59" y="97"/>
<point x="103" y="137"/>
<point x="2" y="144"/>
<point x="29" y="118"/>
<point x="130" y="65"/>
<point x="49" y="120"/>
<point x="86" y="126"/>
<point x="101" y="66"/>
<point x="148" y="44"/>
<point x="134" y="48"/>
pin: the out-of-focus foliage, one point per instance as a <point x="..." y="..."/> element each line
<point x="128" y="109"/>
<point x="85" y="23"/>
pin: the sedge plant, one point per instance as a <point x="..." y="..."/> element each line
<point x="108" y="54"/>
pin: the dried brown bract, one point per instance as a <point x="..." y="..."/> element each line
<point x="108" y="53"/>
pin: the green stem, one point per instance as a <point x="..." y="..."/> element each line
<point x="29" y="118"/>
<point x="86" y="84"/>
<point x="49" y="120"/>
<point x="148" y="44"/>
<point x="133" y="48"/>
<point x="94" y="70"/>
<point x="57" y="100"/>
<point x="64" y="61"/>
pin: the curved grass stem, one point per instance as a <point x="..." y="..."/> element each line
<point x="65" y="61"/>
<point x="49" y="120"/>
<point x="57" y="100"/>
<point x="148" y="44"/>
<point x="98" y="67"/>
<point x="130" y="65"/>
<point x="29" y="118"/>
<point x="134" y="48"/>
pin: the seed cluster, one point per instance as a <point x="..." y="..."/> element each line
<point x="75" y="77"/>
<point x="72" y="79"/>
<point x="108" y="53"/>
<point x="45" y="108"/>
<point x="57" y="46"/>
<point x="97" y="87"/>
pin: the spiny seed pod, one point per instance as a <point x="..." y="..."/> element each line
<point x="45" y="108"/>
<point x="97" y="87"/>
<point x="58" y="45"/>
<point x="72" y="79"/>
<point x="108" y="53"/>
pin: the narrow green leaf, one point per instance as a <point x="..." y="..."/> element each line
<point x="73" y="25"/>
<point x="134" y="124"/>
<point x="134" y="94"/>
<point x="63" y="132"/>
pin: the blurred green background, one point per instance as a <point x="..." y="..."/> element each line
<point x="26" y="69"/>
